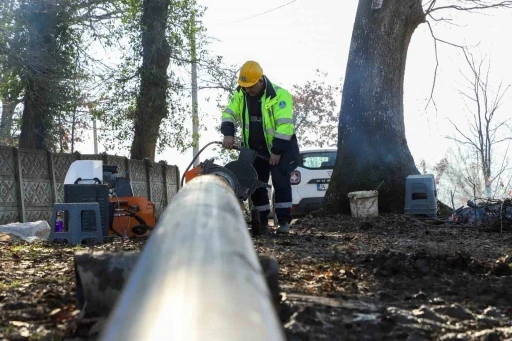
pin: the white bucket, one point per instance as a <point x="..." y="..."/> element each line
<point x="364" y="204"/>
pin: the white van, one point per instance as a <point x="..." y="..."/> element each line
<point x="310" y="180"/>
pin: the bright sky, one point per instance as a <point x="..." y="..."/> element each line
<point x="292" y="42"/>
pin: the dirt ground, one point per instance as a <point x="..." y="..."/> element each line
<point x="385" y="278"/>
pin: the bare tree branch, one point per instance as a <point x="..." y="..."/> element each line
<point x="437" y="66"/>
<point x="458" y="5"/>
<point x="482" y="124"/>
<point x="470" y="5"/>
<point x="430" y="5"/>
<point x="431" y="99"/>
<point x="468" y="139"/>
<point x="471" y="143"/>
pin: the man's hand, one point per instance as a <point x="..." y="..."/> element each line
<point x="274" y="159"/>
<point x="228" y="142"/>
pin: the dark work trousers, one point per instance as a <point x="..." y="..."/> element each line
<point x="280" y="182"/>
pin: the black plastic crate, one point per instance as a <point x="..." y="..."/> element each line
<point x="90" y="193"/>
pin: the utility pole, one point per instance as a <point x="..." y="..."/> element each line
<point x="95" y="136"/>
<point x="195" y="104"/>
<point x="90" y="106"/>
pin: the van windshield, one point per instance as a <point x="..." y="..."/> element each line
<point x="318" y="160"/>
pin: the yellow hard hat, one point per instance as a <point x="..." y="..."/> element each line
<point x="250" y="74"/>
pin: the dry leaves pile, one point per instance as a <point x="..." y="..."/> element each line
<point x="393" y="278"/>
<point x="387" y="278"/>
<point x="37" y="290"/>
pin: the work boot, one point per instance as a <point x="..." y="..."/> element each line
<point x="264" y="229"/>
<point x="284" y="228"/>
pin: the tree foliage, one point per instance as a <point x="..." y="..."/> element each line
<point x="43" y="56"/>
<point x="316" y="106"/>
<point x="10" y="85"/>
<point x="117" y="103"/>
<point x="52" y="49"/>
<point x="47" y="44"/>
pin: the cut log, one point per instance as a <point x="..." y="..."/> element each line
<point x="100" y="278"/>
<point x="198" y="277"/>
<point x="101" y="275"/>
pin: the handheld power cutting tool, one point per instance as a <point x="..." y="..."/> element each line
<point x="240" y="175"/>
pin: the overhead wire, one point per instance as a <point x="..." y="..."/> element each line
<point x="259" y="14"/>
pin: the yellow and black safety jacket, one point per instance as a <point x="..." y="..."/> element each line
<point x="277" y="117"/>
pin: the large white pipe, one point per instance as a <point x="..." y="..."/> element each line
<point x="198" y="277"/>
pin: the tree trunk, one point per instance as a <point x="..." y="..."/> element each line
<point x="8" y="108"/>
<point x="152" y="99"/>
<point x="43" y="73"/>
<point x="372" y="148"/>
<point x="486" y="153"/>
<point x="36" y="116"/>
<point x="487" y="182"/>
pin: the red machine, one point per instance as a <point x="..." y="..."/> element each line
<point x="133" y="217"/>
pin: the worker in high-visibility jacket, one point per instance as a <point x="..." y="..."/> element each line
<point x="264" y="111"/>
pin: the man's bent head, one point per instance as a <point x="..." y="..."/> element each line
<point x="256" y="88"/>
